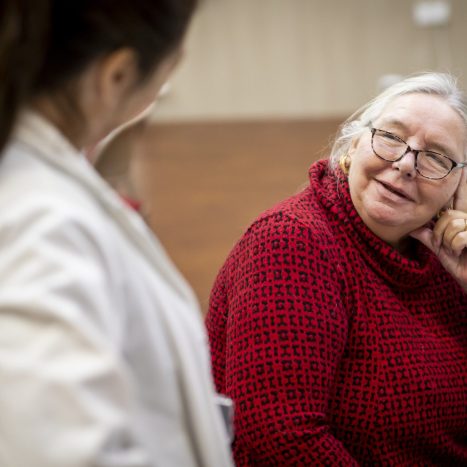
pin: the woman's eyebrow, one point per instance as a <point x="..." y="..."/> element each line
<point x="395" y="123"/>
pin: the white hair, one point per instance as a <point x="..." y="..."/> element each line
<point x="436" y="84"/>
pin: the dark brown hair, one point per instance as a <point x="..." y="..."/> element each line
<point x="83" y="30"/>
<point x="23" y="30"/>
<point x="46" y="44"/>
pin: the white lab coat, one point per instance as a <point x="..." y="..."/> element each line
<point x="103" y="355"/>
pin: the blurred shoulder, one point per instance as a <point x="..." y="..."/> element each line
<point x="37" y="197"/>
<point x="296" y="224"/>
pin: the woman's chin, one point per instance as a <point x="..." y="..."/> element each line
<point x="388" y="215"/>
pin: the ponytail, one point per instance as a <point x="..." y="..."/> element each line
<point x="23" y="41"/>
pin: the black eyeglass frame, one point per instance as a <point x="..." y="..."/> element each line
<point x="454" y="164"/>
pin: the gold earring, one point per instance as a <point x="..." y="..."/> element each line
<point x="344" y="163"/>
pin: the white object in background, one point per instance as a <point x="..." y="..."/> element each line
<point x="165" y="89"/>
<point x="385" y="81"/>
<point x="431" y="13"/>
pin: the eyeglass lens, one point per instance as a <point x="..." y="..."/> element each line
<point x="429" y="164"/>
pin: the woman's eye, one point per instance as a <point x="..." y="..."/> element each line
<point x="437" y="159"/>
<point x="390" y="137"/>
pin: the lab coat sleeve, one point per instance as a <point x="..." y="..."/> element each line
<point x="65" y="395"/>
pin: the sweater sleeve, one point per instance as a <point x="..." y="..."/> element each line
<point x="278" y="329"/>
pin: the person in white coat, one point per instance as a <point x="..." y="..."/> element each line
<point x="103" y="355"/>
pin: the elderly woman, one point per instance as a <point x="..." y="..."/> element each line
<point x="338" y="323"/>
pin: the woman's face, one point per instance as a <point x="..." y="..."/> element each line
<point x="110" y="95"/>
<point x="391" y="197"/>
<point x="140" y="98"/>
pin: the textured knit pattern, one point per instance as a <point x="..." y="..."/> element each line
<point x="336" y="349"/>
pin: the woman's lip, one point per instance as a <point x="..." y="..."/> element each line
<point x="395" y="190"/>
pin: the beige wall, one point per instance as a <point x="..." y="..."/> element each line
<point x="296" y="58"/>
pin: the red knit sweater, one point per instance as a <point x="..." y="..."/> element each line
<point x="336" y="349"/>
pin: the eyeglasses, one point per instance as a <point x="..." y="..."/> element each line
<point x="428" y="164"/>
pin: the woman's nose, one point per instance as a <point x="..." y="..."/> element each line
<point x="406" y="165"/>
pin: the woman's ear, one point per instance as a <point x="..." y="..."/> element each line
<point x="353" y="145"/>
<point x="115" y="75"/>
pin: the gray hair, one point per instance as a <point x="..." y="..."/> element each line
<point x="437" y="84"/>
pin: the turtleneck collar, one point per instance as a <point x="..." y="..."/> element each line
<point x="332" y="192"/>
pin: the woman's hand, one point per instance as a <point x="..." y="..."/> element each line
<point x="448" y="239"/>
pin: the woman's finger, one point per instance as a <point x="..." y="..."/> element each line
<point x="445" y="224"/>
<point x="459" y="243"/>
<point x="453" y="229"/>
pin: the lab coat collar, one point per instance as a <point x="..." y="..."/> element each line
<point x="51" y="146"/>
